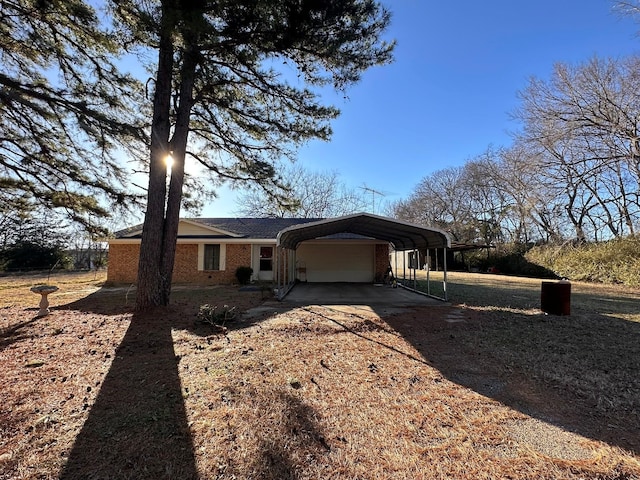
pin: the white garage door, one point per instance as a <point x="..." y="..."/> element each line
<point x="336" y="262"/>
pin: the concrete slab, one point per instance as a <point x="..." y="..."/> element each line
<point x="356" y="294"/>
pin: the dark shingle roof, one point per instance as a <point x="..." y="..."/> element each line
<point x="243" y="227"/>
<point x="253" y="227"/>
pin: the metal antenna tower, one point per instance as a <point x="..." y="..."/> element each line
<point x="373" y="196"/>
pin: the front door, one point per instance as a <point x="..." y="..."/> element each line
<point x="265" y="262"/>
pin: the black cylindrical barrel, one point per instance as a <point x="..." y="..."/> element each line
<point x="555" y="298"/>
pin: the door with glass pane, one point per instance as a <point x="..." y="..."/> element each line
<point x="264" y="262"/>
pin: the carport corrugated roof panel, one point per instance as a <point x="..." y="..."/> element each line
<point x="403" y="235"/>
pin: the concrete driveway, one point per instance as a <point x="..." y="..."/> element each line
<point x="355" y="294"/>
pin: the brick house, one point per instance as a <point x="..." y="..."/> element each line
<point x="209" y="250"/>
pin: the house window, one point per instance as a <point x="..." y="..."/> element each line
<point x="212" y="257"/>
<point x="266" y="259"/>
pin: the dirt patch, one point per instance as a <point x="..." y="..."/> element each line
<point x="551" y="440"/>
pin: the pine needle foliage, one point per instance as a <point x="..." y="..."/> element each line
<point x="64" y="109"/>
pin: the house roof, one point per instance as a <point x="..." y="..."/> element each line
<point x="290" y="232"/>
<point x="254" y="227"/>
<point x="231" y="227"/>
<point x="403" y="235"/>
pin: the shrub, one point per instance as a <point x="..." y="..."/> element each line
<point x="26" y="255"/>
<point x="614" y="261"/>
<point x="211" y="315"/>
<point x="243" y="274"/>
<point x="510" y="259"/>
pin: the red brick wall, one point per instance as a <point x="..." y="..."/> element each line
<point x="185" y="268"/>
<point x="123" y="264"/>
<point x="237" y="256"/>
<point x="382" y="260"/>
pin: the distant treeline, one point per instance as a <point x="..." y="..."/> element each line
<point x="572" y="172"/>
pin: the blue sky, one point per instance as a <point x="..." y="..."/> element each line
<point x="447" y="97"/>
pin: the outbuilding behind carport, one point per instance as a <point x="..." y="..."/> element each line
<point x="402" y="235"/>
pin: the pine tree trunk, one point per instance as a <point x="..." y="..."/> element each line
<point x="160" y="230"/>
<point x="150" y="281"/>
<point x="174" y="200"/>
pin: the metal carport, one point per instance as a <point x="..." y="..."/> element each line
<point x="402" y="235"/>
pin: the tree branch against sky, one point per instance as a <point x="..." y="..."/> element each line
<point x="583" y="125"/>
<point x="221" y="95"/>
<point x="627" y="8"/>
<point x="305" y="194"/>
<point x="64" y="109"/>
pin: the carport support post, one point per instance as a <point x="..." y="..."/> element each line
<point x="404" y="266"/>
<point x="416" y="261"/>
<point x="394" y="266"/>
<point x="278" y="271"/>
<point x="292" y="254"/>
<point x="428" y="272"/>
<point x="410" y="265"/>
<point x="444" y="278"/>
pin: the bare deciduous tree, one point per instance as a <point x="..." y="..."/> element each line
<point x="441" y="200"/>
<point x="583" y="125"/>
<point x="304" y="194"/>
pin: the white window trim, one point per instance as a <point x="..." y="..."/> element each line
<point x="223" y="256"/>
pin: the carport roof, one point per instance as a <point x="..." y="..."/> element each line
<point x="403" y="235"/>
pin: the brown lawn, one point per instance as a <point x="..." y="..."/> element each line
<point x="484" y="387"/>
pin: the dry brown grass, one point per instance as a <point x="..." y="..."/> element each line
<point x="485" y="388"/>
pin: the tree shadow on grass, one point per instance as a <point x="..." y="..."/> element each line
<point x="137" y="427"/>
<point x="291" y="442"/>
<point x="579" y="371"/>
<point x="16" y="332"/>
